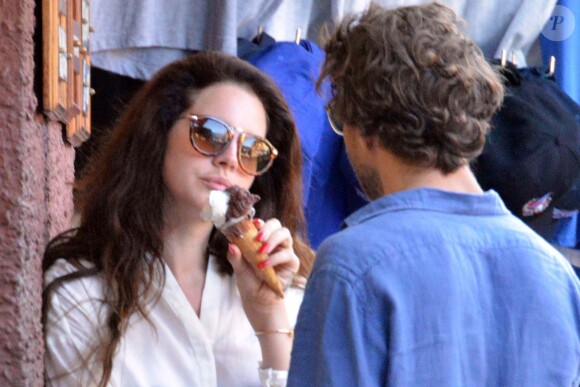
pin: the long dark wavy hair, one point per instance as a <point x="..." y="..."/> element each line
<point x="411" y="77"/>
<point x="121" y="194"/>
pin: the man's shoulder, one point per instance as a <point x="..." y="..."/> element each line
<point x="356" y="239"/>
<point x="352" y="251"/>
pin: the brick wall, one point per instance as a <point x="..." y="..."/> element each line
<point x="36" y="172"/>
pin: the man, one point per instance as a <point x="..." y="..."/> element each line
<point x="434" y="283"/>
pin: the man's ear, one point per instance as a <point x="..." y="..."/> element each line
<point x="371" y="142"/>
<point x="367" y="142"/>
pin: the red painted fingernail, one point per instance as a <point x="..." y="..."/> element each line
<point x="260" y="237"/>
<point x="257" y="222"/>
<point x="264" y="263"/>
<point x="231" y="248"/>
<point x="263" y="249"/>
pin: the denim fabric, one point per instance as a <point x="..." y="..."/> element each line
<point x="432" y="288"/>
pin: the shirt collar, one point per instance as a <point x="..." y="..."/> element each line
<point x="430" y="200"/>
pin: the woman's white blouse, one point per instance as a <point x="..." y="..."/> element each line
<point x="218" y="348"/>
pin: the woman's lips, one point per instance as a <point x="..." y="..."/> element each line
<point x="217" y="183"/>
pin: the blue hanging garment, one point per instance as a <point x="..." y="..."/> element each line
<point x="331" y="191"/>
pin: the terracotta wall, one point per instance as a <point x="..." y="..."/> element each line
<point x="36" y="170"/>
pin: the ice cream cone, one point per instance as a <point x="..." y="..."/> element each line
<point x="243" y="234"/>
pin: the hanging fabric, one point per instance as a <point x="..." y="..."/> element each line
<point x="532" y="154"/>
<point x="331" y="191"/>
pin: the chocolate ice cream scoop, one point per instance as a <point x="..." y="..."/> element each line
<point x="241" y="202"/>
<point x="231" y="211"/>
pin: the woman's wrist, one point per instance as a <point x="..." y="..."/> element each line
<point x="276" y="346"/>
<point x="274" y="332"/>
<point x="289" y="332"/>
<point x="268" y="317"/>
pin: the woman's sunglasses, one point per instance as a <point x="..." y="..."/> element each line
<point x="210" y="136"/>
<point x="335" y="123"/>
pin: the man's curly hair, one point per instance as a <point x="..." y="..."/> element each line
<point x="410" y="77"/>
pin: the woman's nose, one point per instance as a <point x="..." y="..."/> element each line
<point x="229" y="156"/>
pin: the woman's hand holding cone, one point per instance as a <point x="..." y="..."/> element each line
<point x="257" y="296"/>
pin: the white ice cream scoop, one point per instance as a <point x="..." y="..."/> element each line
<point x="216" y="208"/>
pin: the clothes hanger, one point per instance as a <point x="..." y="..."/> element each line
<point x="551" y="67"/>
<point x="298" y="33"/>
<point x="503" y="60"/>
<point x="514" y="59"/>
<point x="260" y="34"/>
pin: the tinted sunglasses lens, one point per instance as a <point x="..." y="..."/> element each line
<point x="256" y="155"/>
<point x="209" y="136"/>
<point x="335" y="123"/>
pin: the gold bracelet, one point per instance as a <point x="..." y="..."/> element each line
<point x="289" y="332"/>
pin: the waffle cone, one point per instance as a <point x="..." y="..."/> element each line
<point x="243" y="234"/>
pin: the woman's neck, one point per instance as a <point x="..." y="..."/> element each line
<point x="184" y="247"/>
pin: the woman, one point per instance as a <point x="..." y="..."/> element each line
<point x="145" y="292"/>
